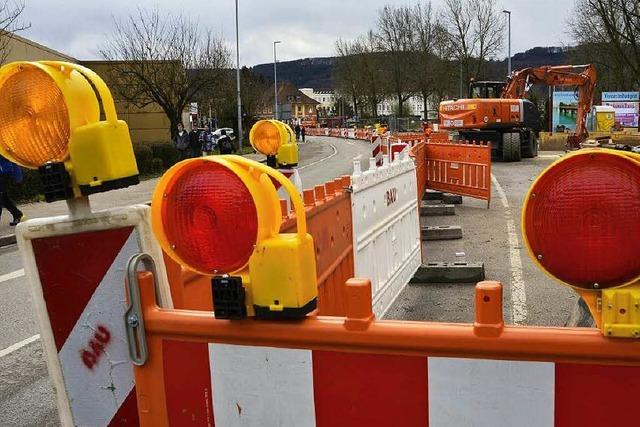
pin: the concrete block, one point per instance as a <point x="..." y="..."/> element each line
<point x="431" y="202"/>
<point x="455" y="199"/>
<point x="432" y="195"/>
<point x="449" y="272"/>
<point x="7" y="240"/>
<point x="437" y="210"/>
<point x="441" y="232"/>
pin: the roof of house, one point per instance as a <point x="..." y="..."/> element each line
<point x="285" y="90"/>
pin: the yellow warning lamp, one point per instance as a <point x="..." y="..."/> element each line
<point x="50" y="120"/>
<point x="275" y="140"/>
<point x="220" y="216"/>
<point x="580" y="225"/>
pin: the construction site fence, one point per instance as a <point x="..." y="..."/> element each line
<point x="355" y="370"/>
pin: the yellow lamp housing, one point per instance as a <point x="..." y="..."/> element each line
<point x="50" y="120"/>
<point x="220" y="216"/>
<point x="275" y="140"/>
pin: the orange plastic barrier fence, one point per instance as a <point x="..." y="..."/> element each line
<point x="358" y="371"/>
<point x="329" y="221"/>
<point x="459" y="167"/>
<point x="420" y="159"/>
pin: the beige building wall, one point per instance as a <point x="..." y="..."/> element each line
<point x="147" y="124"/>
<point x="21" y="49"/>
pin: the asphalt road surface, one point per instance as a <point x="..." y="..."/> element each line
<point x="530" y="296"/>
<point x="26" y="394"/>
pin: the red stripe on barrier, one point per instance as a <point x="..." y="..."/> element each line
<point x="66" y="278"/>
<point x="127" y="414"/>
<point x="370" y="390"/>
<point x="595" y="395"/>
<point x="188" y="383"/>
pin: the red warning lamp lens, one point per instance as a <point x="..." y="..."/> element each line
<point x="582" y="220"/>
<point x="210" y="218"/>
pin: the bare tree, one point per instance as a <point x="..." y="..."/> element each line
<point x="164" y="59"/>
<point x="431" y="50"/>
<point x="476" y="30"/>
<point x="10" y="24"/>
<point x="347" y="74"/>
<point x="609" y="33"/>
<point x="394" y="37"/>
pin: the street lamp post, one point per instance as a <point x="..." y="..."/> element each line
<point x="240" y="133"/>
<point x="275" y="82"/>
<point x="508" y="12"/>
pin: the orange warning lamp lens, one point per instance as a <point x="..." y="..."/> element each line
<point x="580" y="219"/>
<point x="209" y="218"/>
<point x="34" y="121"/>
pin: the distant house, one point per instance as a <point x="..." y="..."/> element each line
<point x="293" y="105"/>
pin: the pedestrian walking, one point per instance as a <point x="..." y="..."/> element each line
<point x="302" y="132"/>
<point x="207" y="141"/>
<point x="9" y="171"/>
<point x="195" y="146"/>
<point x="224" y="143"/>
<point x="297" y="131"/>
<point x="181" y="142"/>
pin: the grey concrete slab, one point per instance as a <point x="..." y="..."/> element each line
<point x="449" y="272"/>
<point x="455" y="199"/>
<point x="437" y="210"/>
<point x="441" y="232"/>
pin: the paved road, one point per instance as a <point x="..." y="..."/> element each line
<point x="26" y="395"/>
<point x="535" y="299"/>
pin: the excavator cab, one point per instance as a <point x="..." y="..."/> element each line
<point x="485" y="89"/>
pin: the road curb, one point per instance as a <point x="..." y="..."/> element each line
<point x="8" y="240"/>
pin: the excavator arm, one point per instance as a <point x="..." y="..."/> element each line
<point x="519" y="83"/>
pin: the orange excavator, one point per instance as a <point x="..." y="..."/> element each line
<point x="500" y="113"/>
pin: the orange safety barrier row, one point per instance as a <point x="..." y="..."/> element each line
<point x="329" y="221"/>
<point x="358" y="371"/>
<point x="459" y="167"/>
<point x="417" y="152"/>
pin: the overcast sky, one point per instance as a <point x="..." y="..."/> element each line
<point x="306" y="29"/>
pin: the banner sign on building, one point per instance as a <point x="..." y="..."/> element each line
<point x="565" y="109"/>
<point x="626" y="106"/>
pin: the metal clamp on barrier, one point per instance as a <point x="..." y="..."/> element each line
<point x="133" y="318"/>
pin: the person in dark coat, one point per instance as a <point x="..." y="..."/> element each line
<point x="195" y="146"/>
<point x="302" y="132"/>
<point x="224" y="143"/>
<point x="9" y="171"/>
<point x="181" y="142"/>
<point x="297" y="131"/>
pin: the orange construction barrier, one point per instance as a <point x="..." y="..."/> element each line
<point x="329" y="221"/>
<point x="417" y="152"/>
<point x="460" y="167"/>
<point x="359" y="371"/>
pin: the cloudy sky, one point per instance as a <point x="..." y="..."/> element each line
<point x="306" y="28"/>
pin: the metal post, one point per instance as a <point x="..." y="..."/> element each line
<point x="508" y="12"/>
<point x="461" y="89"/>
<point x="240" y="132"/>
<point x="275" y="82"/>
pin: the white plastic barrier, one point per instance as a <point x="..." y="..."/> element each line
<point x="386" y="227"/>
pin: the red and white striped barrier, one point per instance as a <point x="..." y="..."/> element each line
<point x="351" y="389"/>
<point x="76" y="269"/>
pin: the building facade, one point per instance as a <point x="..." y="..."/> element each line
<point x="293" y="105"/>
<point x="326" y="101"/>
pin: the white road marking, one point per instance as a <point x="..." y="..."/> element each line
<point x="18" y="345"/>
<point x="12" y="275"/>
<point x="518" y="292"/>
<point x="335" y="151"/>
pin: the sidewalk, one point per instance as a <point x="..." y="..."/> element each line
<point x="140" y="193"/>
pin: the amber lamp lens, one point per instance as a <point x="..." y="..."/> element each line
<point x="34" y="120"/>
